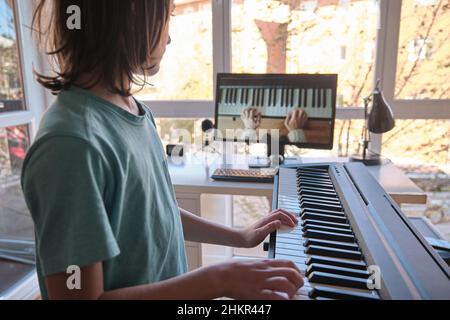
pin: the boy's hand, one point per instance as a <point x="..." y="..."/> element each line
<point x="259" y="280"/>
<point x="256" y="234"/>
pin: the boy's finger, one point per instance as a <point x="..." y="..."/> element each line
<point x="291" y="215"/>
<point x="287" y="217"/>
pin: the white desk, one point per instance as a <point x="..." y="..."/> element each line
<point x="191" y="179"/>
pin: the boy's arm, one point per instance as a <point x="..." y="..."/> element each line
<point x="266" y="279"/>
<point x="197" y="229"/>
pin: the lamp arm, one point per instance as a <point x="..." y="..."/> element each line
<point x="365" y="133"/>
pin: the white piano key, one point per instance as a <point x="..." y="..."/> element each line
<point x="278" y="100"/>
<point x="251" y="101"/>
<point x="322" y="103"/>
<point x="223" y="95"/>
<point x="329" y="101"/>
<point x="295" y="103"/>
<point x="266" y="109"/>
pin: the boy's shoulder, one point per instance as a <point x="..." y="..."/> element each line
<point x="71" y="114"/>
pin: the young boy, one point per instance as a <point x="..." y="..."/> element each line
<point x="96" y="179"/>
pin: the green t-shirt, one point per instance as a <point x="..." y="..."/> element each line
<point x="97" y="185"/>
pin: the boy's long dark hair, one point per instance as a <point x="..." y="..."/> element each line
<point x="114" y="42"/>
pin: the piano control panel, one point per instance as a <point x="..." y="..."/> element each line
<point x="352" y="241"/>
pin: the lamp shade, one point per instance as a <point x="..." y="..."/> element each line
<point x="381" y="118"/>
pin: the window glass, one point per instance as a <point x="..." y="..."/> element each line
<point x="15" y="220"/>
<point x="11" y="96"/>
<point x="423" y="65"/>
<point x="187" y="69"/>
<point x="308" y="37"/>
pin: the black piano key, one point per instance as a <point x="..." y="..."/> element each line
<point x="320" y="98"/>
<point x="337" y="280"/>
<point x="326" y="228"/>
<point x="321" y="205"/>
<point x="322" y="198"/>
<point x="312" y="192"/>
<point x="325" y="223"/>
<point x="320" y="208"/>
<point x="286" y="97"/>
<point x="324" y="98"/>
<point x="313" y="174"/>
<point x="338" y="262"/>
<point x="338" y="213"/>
<point x="315" y="181"/>
<point x="335" y="293"/>
<point x="316" y="186"/>
<point x="322" y="201"/>
<point x="310" y="177"/>
<point x="300" y="98"/>
<point x="315" y="267"/>
<point x="333" y="252"/>
<point x="314" y="169"/>
<point x="274" y="97"/>
<point x="269" y="103"/>
<point x="322" y="217"/>
<point x="254" y="98"/>
<point x="316" y="234"/>
<point x="328" y="243"/>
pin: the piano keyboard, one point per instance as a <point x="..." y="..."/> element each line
<point x="276" y="102"/>
<point x="333" y="255"/>
<point x="323" y="244"/>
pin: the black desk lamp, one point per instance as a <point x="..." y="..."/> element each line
<point x="379" y="119"/>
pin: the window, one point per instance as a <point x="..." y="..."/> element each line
<point x="10" y="84"/>
<point x="308" y="37"/>
<point x="422" y="149"/>
<point x="15" y="220"/>
<point x="187" y="68"/>
<point x="423" y="65"/>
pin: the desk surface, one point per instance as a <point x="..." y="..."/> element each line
<point x="192" y="175"/>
